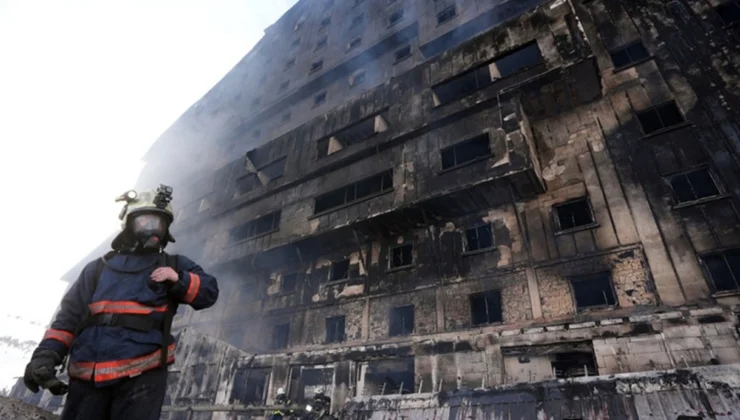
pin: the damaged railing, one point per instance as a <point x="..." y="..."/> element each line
<point x="231" y="409"/>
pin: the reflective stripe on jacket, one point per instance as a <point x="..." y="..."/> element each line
<point x="105" y="353"/>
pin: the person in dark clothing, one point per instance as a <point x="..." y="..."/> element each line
<point x="114" y="322"/>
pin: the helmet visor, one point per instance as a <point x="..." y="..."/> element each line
<point x="149" y="224"/>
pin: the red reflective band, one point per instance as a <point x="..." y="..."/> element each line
<point x="193" y="289"/>
<point x="108" y="371"/>
<point x="60" y="335"/>
<point x="124" y="307"/>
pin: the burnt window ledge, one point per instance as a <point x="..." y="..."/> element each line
<point x="479" y="251"/>
<point x="338" y="281"/>
<point x="251" y="239"/>
<point x="726" y="293"/>
<point x="343" y="206"/>
<point x="470" y="162"/>
<point x="633" y="64"/>
<point x="577" y="229"/>
<point x="597" y="308"/>
<point x="668" y="130"/>
<point x="701" y="201"/>
<point x="401" y="268"/>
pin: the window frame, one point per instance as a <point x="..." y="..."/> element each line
<point x="625" y="48"/>
<point x="391" y="249"/>
<point x="556" y="219"/>
<point x="331" y="278"/>
<point x="664" y="128"/>
<point x="397" y="59"/>
<point x="485" y="294"/>
<point x="446" y="9"/>
<point x="585" y="278"/>
<point x="343" y="336"/>
<point x="708" y="273"/>
<point x="468" y="251"/>
<point x="413" y="323"/>
<point x="282" y="283"/>
<point x="273" y="338"/>
<point x="468" y="162"/>
<point x="346" y="203"/>
<point x="681" y="204"/>
<point x="401" y="15"/>
<point x="316" y="103"/>
<point x="273" y="214"/>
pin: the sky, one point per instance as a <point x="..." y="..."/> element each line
<point x="85" y="88"/>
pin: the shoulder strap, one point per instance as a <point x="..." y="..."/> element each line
<point x="170" y="261"/>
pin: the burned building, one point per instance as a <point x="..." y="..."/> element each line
<point x="424" y="197"/>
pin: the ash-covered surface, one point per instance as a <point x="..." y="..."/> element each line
<point x="13" y="409"/>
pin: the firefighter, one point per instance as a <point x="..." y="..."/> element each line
<point x="114" y="322"/>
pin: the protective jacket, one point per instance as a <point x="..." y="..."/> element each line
<point x="105" y="353"/>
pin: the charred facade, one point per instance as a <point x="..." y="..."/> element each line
<point x="419" y="196"/>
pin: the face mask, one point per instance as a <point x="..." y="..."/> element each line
<point x="149" y="229"/>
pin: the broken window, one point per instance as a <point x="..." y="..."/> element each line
<point x="289" y="283"/>
<point x="335" y="329"/>
<point x="246" y="184"/>
<point x="357" y="78"/>
<point x="317" y="65"/>
<point x="339" y="270"/>
<point x="357" y="21"/>
<point x="724" y="269"/>
<point x="356" y="191"/>
<point x="402" y="321"/>
<point x="319" y="99"/>
<point x="284" y="85"/>
<point x="485" y="307"/>
<point x="694" y="185"/>
<point x="256" y="227"/>
<point x="353" y="134"/>
<point x="307" y="381"/>
<point x="401" y="256"/>
<point x="479" y="238"/>
<point x="446" y="15"/>
<point x="395" y="17"/>
<point x="289" y="64"/>
<point x="573" y="364"/>
<point x="593" y="290"/>
<point x="573" y="214"/>
<point x="354" y="43"/>
<point x="476" y="148"/>
<point x="280" y="334"/>
<point x="628" y="55"/>
<point x="660" y="117"/>
<point x="250" y="385"/>
<point x="729" y="12"/>
<point x="389" y="377"/>
<point x="272" y="171"/>
<point x="321" y="44"/>
<point x="515" y="61"/>
<point x="402" y="53"/>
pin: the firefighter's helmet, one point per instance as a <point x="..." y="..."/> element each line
<point x="154" y="201"/>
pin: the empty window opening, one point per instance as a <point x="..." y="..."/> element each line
<point x="402" y="53"/>
<point x="357" y="21"/>
<point x="246" y="184"/>
<point x="593" y="290"/>
<point x="573" y="364"/>
<point x="355" y="133"/>
<point x="296" y="42"/>
<point x="325" y="21"/>
<point x="478" y="147"/>
<point x="388" y="377"/>
<point x="395" y="17"/>
<point x="357" y="78"/>
<point x="485" y="307"/>
<point x="573" y="214"/>
<point x="319" y="99"/>
<point x="289" y="64"/>
<point x="354" y="192"/>
<point x="339" y="270"/>
<point x="271" y="171"/>
<point x="321" y="44"/>
<point x="446" y="15"/>
<point x="285" y="118"/>
<point x="280" y="335"/>
<point x="729" y="12"/>
<point x="317" y="65"/>
<point x="660" y="117"/>
<point x="523" y="58"/>
<point x="250" y="385"/>
<point x="479" y="238"/>
<point x="354" y="43"/>
<point x="335" y="329"/>
<point x="401" y="256"/>
<point x="628" y="55"/>
<point x="257" y="227"/>
<point x="289" y="283"/>
<point x="402" y="321"/>
<point x="724" y="269"/>
<point x="284" y="85"/>
<point x="694" y="185"/>
<point x="307" y="381"/>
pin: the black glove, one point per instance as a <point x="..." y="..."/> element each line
<point x="41" y="372"/>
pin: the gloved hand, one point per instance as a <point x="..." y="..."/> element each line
<point x="41" y="372"/>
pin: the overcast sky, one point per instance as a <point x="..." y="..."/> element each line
<point x="85" y="88"/>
